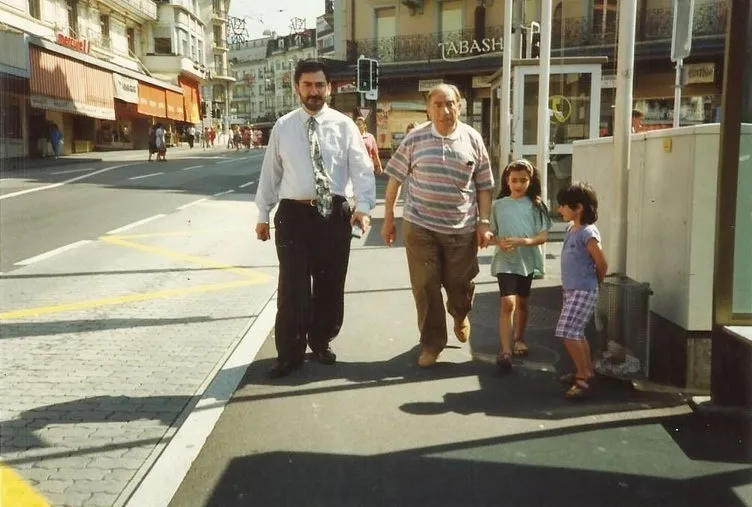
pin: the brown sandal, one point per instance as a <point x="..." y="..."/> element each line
<point x="580" y="390"/>
<point x="520" y="349"/>
<point x="504" y="362"/>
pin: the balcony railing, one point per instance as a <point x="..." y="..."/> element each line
<point x="709" y="19"/>
<point x="409" y="48"/>
<point x="656" y="24"/>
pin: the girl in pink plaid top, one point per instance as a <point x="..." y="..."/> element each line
<point x="583" y="267"/>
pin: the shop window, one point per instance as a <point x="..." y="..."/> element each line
<point x="10" y="121"/>
<point x="604" y="19"/>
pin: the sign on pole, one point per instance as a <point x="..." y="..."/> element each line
<point x="681" y="36"/>
<point x="365" y="112"/>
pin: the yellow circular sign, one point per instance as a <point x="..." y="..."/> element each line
<point x="561" y="107"/>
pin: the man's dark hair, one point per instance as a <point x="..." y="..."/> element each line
<point x="580" y="193"/>
<point x="310" y="65"/>
<point x="636" y="113"/>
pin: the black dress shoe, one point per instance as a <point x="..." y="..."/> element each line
<point x="284" y="368"/>
<point x="325" y="356"/>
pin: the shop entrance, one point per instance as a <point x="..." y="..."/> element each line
<point x="575" y="104"/>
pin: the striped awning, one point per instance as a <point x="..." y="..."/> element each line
<point x="192" y="99"/>
<point x="152" y="101"/>
<point x="175" y="108"/>
<point x="59" y="83"/>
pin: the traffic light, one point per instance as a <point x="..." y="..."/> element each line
<point x="374" y="74"/>
<point x="535" y="46"/>
<point x="203" y="109"/>
<point x="364" y="74"/>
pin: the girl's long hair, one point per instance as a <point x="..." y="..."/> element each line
<point x="533" y="190"/>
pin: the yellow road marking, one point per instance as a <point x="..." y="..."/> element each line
<point x="194" y="259"/>
<point x="15" y="492"/>
<point x="186" y="232"/>
<point x="129" y="298"/>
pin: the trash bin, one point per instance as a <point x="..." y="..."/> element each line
<point x="621" y="347"/>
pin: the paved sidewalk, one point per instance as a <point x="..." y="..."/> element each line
<point x="376" y="430"/>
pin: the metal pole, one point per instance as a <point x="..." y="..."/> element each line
<point x="544" y="77"/>
<point x="678" y="92"/>
<point x="617" y="241"/>
<point x="505" y="136"/>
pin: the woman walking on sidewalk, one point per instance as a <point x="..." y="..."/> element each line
<point x="520" y="223"/>
<point x="583" y="267"/>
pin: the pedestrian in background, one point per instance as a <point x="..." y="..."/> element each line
<point x="446" y="217"/>
<point x="583" y="267"/>
<point x="520" y="223"/>
<point x="161" y="143"/>
<point x="313" y="152"/>
<point x="153" y="141"/>
<point x="56" y="139"/>
<point x="371" y="146"/>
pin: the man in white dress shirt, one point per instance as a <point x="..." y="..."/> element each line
<point x="307" y="167"/>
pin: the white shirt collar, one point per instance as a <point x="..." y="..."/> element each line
<point x="454" y="135"/>
<point x="304" y="115"/>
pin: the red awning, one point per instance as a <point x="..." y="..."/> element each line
<point x="175" y="109"/>
<point x="59" y="83"/>
<point x="152" y="101"/>
<point x="192" y="99"/>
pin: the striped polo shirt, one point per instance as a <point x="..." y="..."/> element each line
<point x="442" y="175"/>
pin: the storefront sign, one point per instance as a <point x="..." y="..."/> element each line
<point x="69" y="106"/>
<point x="426" y="85"/>
<point x="126" y="89"/>
<point x="608" y="81"/>
<point x="481" y="82"/>
<point x="81" y="45"/>
<point x="700" y="73"/>
<point x="347" y="88"/>
<point x="462" y="49"/>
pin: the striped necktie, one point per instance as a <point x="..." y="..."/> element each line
<point x="322" y="180"/>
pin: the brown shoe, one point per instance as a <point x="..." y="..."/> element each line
<point x="427" y="358"/>
<point x="462" y="329"/>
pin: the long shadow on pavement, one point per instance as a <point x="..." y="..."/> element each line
<point x="548" y="468"/>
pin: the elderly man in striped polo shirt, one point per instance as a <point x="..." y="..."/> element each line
<point x="446" y="216"/>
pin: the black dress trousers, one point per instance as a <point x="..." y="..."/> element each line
<point x="313" y="254"/>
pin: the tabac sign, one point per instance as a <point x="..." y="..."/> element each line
<point x="464" y="49"/>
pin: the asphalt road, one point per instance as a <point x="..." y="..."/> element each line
<point x="109" y="194"/>
<point x="125" y="285"/>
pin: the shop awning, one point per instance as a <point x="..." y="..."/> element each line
<point x="152" y="101"/>
<point x="175" y="109"/>
<point x="191" y="99"/>
<point x="59" y="83"/>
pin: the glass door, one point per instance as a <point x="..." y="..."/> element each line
<point x="574" y="101"/>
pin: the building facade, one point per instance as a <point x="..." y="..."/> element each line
<point x="264" y="69"/>
<point x="421" y="42"/>
<point x="325" y="43"/>
<point x="103" y="73"/>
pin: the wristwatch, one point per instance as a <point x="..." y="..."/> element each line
<point x="484" y="221"/>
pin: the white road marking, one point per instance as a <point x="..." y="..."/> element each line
<point x="192" y="203"/>
<point x="56" y="185"/>
<point x="71" y="171"/>
<point x="135" y="224"/>
<point x="247" y="184"/>
<point x="168" y="472"/>
<point x="192" y="167"/>
<point x="223" y="193"/>
<point x="227" y="161"/>
<point x="145" y="176"/>
<point x="52" y="253"/>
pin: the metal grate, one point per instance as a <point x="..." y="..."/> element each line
<point x="622" y="342"/>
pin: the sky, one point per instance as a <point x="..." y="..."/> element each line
<point x="275" y="15"/>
